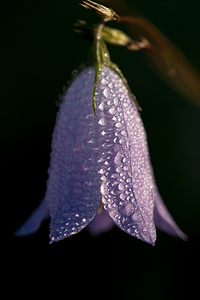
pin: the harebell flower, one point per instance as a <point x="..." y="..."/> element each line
<point x="100" y="171"/>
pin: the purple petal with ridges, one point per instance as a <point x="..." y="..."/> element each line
<point x="164" y="221"/>
<point x="73" y="188"/>
<point x="127" y="187"/>
<point x="33" y="223"/>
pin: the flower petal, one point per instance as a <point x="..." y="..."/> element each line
<point x="33" y="223"/>
<point x="73" y="188"/>
<point x="101" y="222"/>
<point x="164" y="221"/>
<point x="127" y="181"/>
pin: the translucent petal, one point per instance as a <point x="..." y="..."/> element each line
<point x="73" y="188"/>
<point x="34" y="221"/>
<point x="127" y="181"/>
<point x="164" y="221"/>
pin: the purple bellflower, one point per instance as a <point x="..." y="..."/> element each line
<point x="100" y="171"/>
<point x="101" y="158"/>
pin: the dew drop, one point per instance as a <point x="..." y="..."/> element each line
<point x="100" y="160"/>
<point x="101" y="106"/>
<point x="121" y="141"/>
<point x="103" y="189"/>
<point x="121" y="187"/>
<point x="112" y="110"/>
<point x="118" y="158"/>
<point x="136" y="216"/>
<point x="145" y="230"/>
<point x="104" y="81"/>
<point x="118" y="125"/>
<point x="116" y="102"/>
<point x="102" y="121"/>
<point x="119" y="169"/>
<point x="115" y="175"/>
<point x="122" y="196"/>
<point x="110" y="85"/>
<point x="103" y="178"/>
<point x="119" y="109"/>
<point x="107" y="93"/>
<point x="127" y="209"/>
<point x="101" y="171"/>
<point x="124" y="133"/>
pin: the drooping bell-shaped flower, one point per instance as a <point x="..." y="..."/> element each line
<point x="100" y="170"/>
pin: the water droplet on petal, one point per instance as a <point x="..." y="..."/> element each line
<point x="145" y="230"/>
<point x="103" y="189"/>
<point x="103" y="178"/>
<point x="112" y="110"/>
<point x="115" y="175"/>
<point x="101" y="171"/>
<point x="118" y="158"/>
<point x="107" y="93"/>
<point x="118" y="125"/>
<point x="110" y="85"/>
<point x="136" y="217"/>
<point x="124" y="133"/>
<point x="104" y="81"/>
<point x="127" y="209"/>
<point x="121" y="187"/>
<point x="101" y="106"/>
<point x="122" y="196"/>
<point x="116" y="102"/>
<point x="102" y="121"/>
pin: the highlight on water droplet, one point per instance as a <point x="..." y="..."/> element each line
<point x="112" y="110"/>
<point x="107" y="93"/>
<point x="102" y="121"/>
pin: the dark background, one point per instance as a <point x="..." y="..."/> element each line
<point x="38" y="52"/>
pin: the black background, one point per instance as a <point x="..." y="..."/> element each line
<point x="38" y="52"/>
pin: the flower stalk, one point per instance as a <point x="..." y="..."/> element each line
<point x="100" y="56"/>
